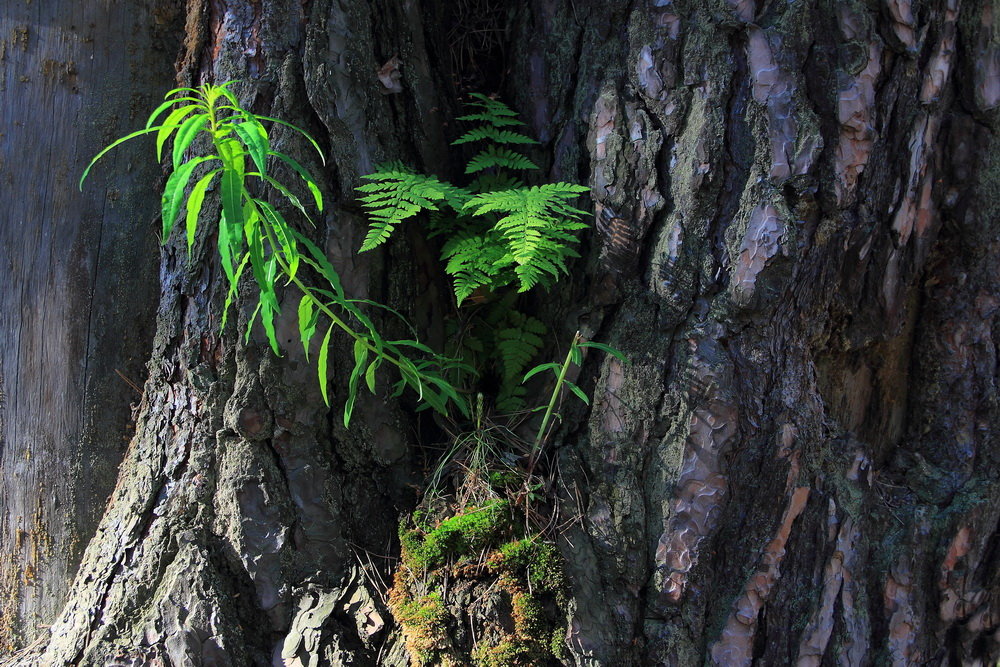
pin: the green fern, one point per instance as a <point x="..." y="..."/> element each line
<point x="491" y="111"/>
<point x="537" y="228"/>
<point x="502" y="342"/>
<point x="396" y="194"/>
<point x="473" y="260"/>
<point x="498" y="231"/>
<point x="495" y="135"/>
<point x="495" y="157"/>
<point x="518" y="344"/>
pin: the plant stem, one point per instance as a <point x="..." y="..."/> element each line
<point x="556" y="391"/>
<point x="286" y="269"/>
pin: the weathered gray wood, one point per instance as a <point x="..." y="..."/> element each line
<point x="79" y="279"/>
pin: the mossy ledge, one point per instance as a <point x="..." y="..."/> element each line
<point x="471" y="588"/>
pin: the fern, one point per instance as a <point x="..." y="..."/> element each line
<point x="537" y="227"/>
<point x="518" y="344"/>
<point x="494" y="157"/>
<point x="473" y="261"/>
<point x="397" y="194"/>
<point x="498" y="230"/>
<point x="491" y="111"/>
<point x="494" y="135"/>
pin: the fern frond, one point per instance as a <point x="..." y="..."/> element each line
<point x="397" y="194"/>
<point x="495" y="156"/>
<point x="473" y="260"/>
<point x="491" y="111"/>
<point x="495" y="121"/>
<point x="491" y="182"/>
<point x="495" y="135"/>
<point x="519" y="344"/>
<point x="537" y="226"/>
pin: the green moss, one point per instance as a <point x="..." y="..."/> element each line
<point x="557" y="644"/>
<point x="528" y="572"/>
<point x="461" y="535"/>
<point x="508" y="652"/>
<point x="534" y="642"/>
<point x="500" y="480"/>
<point x="424" y="622"/>
<point x="537" y="563"/>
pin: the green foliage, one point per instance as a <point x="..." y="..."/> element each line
<point x="397" y="194"/>
<point x="501" y="342"/>
<point x="500" y="231"/>
<point x="573" y="356"/>
<point x="461" y="535"/>
<point x="425" y="622"/>
<point x="536" y="562"/>
<point x="254" y="233"/>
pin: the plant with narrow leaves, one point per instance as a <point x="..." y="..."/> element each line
<point x="254" y="233"/>
<point x="573" y="356"/>
<point x="500" y="231"/>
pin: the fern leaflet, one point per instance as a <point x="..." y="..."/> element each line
<point x="397" y="194"/>
<point x="495" y="135"/>
<point x="494" y="157"/>
<point x="536" y="228"/>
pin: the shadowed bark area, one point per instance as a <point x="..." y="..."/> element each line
<point x="80" y="283"/>
<point x="795" y="244"/>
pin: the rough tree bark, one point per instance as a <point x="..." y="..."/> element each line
<point x="796" y="244"/>
<point x="80" y="282"/>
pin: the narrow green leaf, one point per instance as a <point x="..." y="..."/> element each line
<point x="267" y="313"/>
<point x="182" y="90"/>
<point x="194" y="204"/>
<point x="173" y="122"/>
<point x="186" y="134"/>
<point x="173" y="193"/>
<point x="577" y="391"/>
<point x="254" y="136"/>
<point x="297" y="129"/>
<point x="321" y="264"/>
<point x="308" y="318"/>
<point x="114" y="144"/>
<point x="285" y="192"/>
<point x="360" y="356"/>
<point x="232" y="155"/>
<point x="232" y="196"/>
<point x="616" y="353"/>
<point x="169" y="103"/>
<point x="284" y="235"/>
<point x="542" y="367"/>
<point x="305" y="175"/>
<point x="324" y="353"/>
<point x="233" y="285"/>
<point x="226" y="250"/>
<point x="253" y="318"/>
<point x="370" y="374"/>
<point x="222" y="89"/>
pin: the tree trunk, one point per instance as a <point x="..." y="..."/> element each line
<point x="796" y="245"/>
<point x="80" y="285"/>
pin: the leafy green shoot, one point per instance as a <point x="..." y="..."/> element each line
<point x="253" y="233"/>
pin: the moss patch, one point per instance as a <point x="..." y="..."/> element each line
<point x="424" y="621"/>
<point x="512" y="590"/>
<point x="467" y="533"/>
